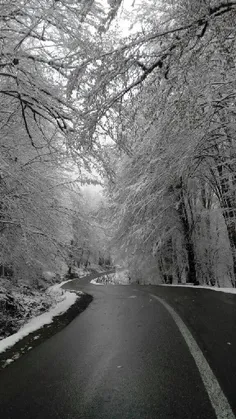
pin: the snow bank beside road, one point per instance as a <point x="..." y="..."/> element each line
<point x="226" y="290"/>
<point x="116" y="278"/>
<point x="67" y="299"/>
<point x="95" y="282"/>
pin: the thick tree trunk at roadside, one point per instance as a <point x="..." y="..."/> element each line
<point x="189" y="246"/>
<point x="191" y="275"/>
<point x="228" y="204"/>
<point x="210" y="277"/>
<point x="230" y="221"/>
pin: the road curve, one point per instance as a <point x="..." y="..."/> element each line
<point x="124" y="357"/>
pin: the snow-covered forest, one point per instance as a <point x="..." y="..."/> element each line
<point x="139" y="97"/>
<point x="173" y="201"/>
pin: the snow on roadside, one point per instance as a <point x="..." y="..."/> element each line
<point x="116" y="278"/>
<point x="226" y="290"/>
<point x="66" y="300"/>
<point x="121" y="277"/>
<point x="57" y="287"/>
<point x="94" y="282"/>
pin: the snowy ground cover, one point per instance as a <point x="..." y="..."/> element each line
<point x="226" y="290"/>
<point x="95" y="282"/>
<point x="120" y="277"/>
<point x="80" y="272"/>
<point x="21" y="301"/>
<point x="64" y="300"/>
<point x="24" y="310"/>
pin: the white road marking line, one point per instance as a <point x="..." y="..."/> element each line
<point x="217" y="398"/>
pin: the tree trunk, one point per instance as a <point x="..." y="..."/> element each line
<point x="87" y="259"/>
<point x="231" y="229"/>
<point x="191" y="274"/>
<point x="189" y="246"/>
<point x="228" y="203"/>
<point x="80" y="261"/>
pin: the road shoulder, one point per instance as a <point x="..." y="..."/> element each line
<point x="40" y="335"/>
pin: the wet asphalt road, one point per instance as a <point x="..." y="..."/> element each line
<point x="124" y="357"/>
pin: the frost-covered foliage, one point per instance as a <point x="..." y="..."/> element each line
<point x="120" y="277"/>
<point x="19" y="303"/>
<point x="42" y="146"/>
<point x="89" y="241"/>
<point x="45" y="47"/>
<point x="174" y="200"/>
<point x="73" y="90"/>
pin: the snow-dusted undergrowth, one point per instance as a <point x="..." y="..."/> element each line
<point x="20" y="301"/>
<point x="64" y="301"/>
<point x="95" y="282"/>
<point x="38" y="307"/>
<point x="117" y="278"/>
